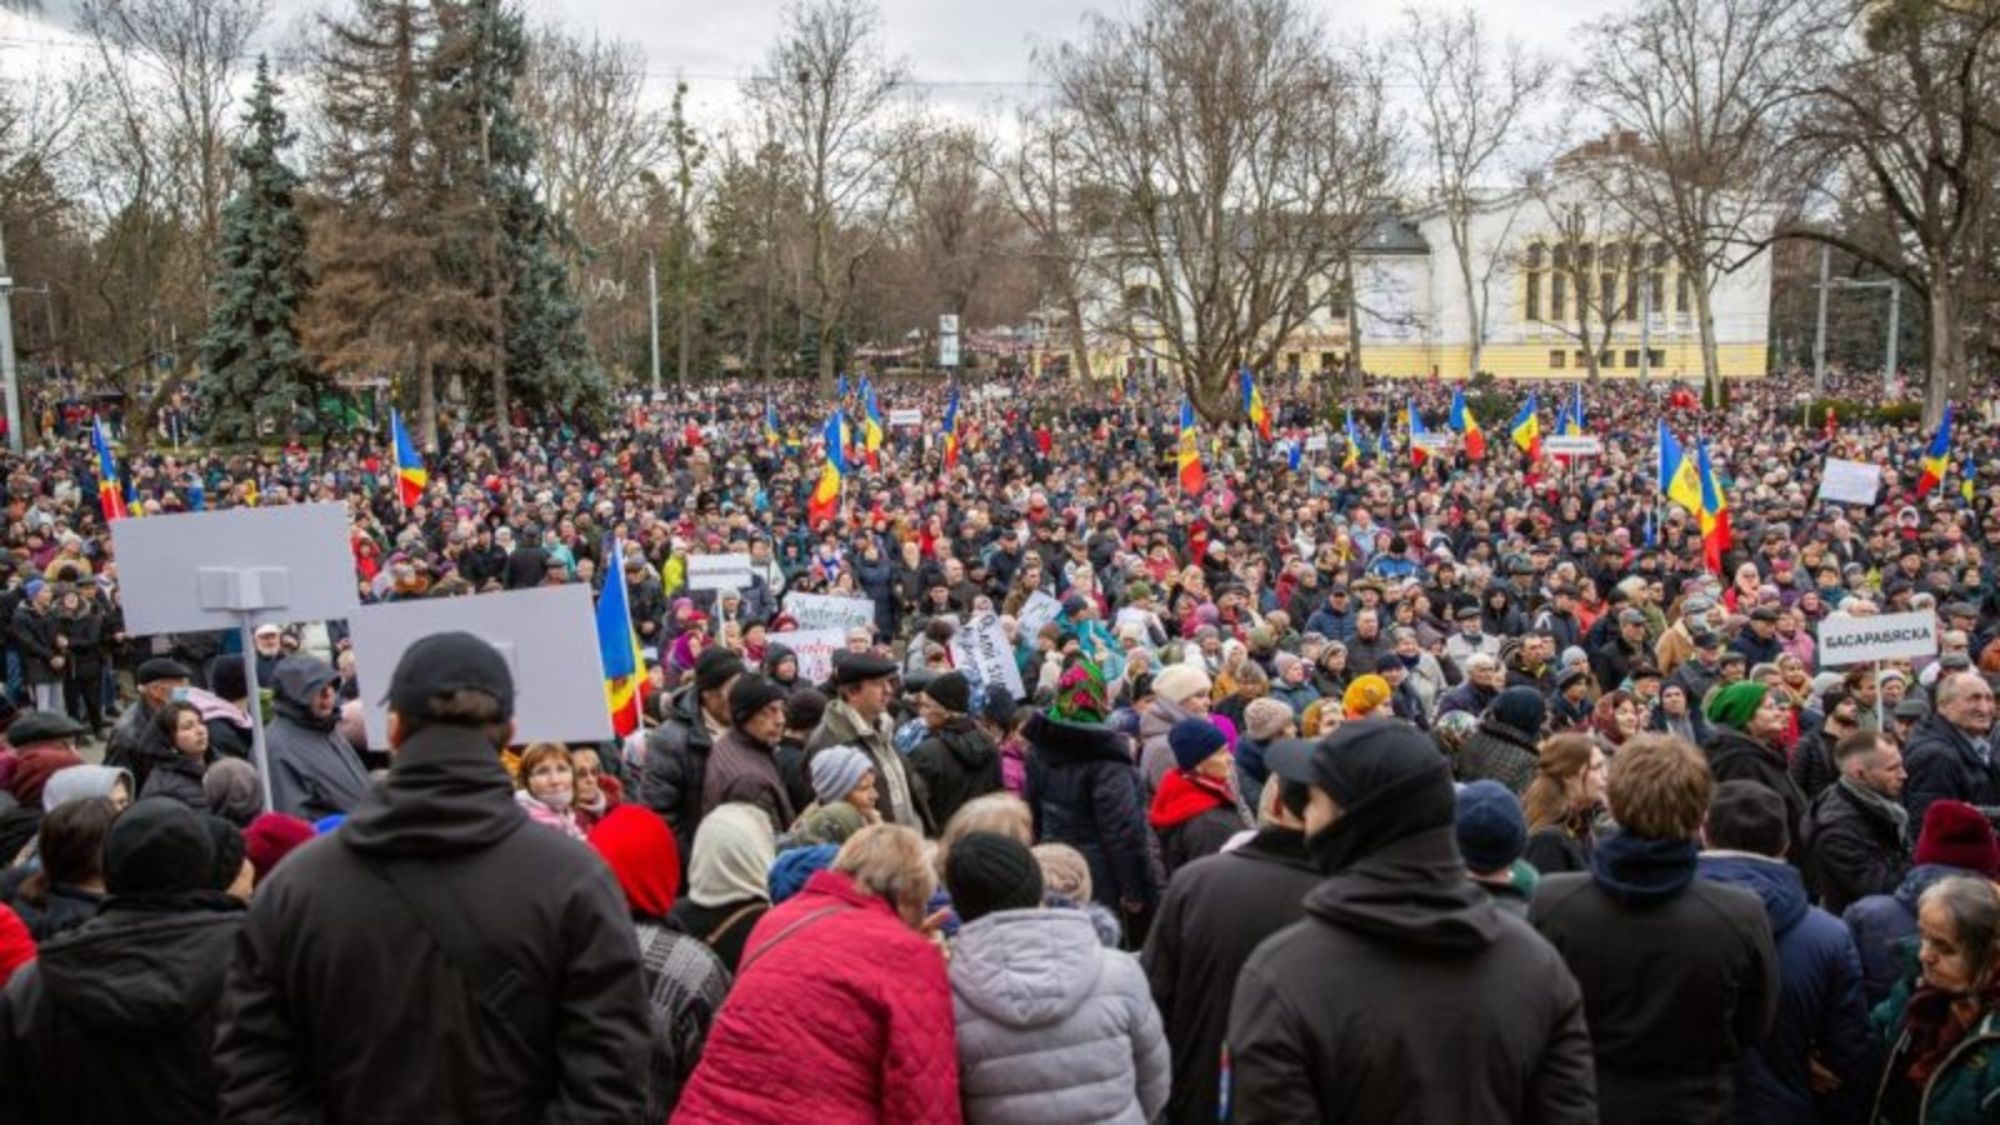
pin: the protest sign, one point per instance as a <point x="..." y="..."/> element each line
<point x="718" y="572"/>
<point x="213" y="570"/>
<point x="1572" y="446"/>
<point x="980" y="650"/>
<point x="827" y="611"/>
<point x="547" y="634"/>
<point x="814" y="649"/>
<point x="906" y="417"/>
<point x="1316" y="443"/>
<point x="1433" y="441"/>
<point x="1847" y="640"/>
<point x="1850" y="482"/>
<point x="1040" y="609"/>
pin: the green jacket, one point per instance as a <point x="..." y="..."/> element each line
<point x="1966" y="1089"/>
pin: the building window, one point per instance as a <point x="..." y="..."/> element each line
<point x="1327" y="362"/>
<point x="1656" y="358"/>
<point x="1607" y="295"/>
<point x="1558" y="294"/>
<point x="1557" y="358"/>
<point x="1682" y="292"/>
<point x="1534" y="308"/>
<point x="1582" y="359"/>
<point x="1607" y="359"/>
<point x="1632" y="358"/>
<point x="1631" y="309"/>
<point x="1585" y="255"/>
<point x="1292" y="362"/>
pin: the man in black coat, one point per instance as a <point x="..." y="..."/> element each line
<point x="1679" y="975"/>
<point x="1857" y="831"/>
<point x="438" y="908"/>
<point x="116" y="1019"/>
<point x="1404" y="994"/>
<point x="1613" y="661"/>
<point x="1214" y="914"/>
<point x="1950" y="754"/>
<point x="677" y="751"/>
<point x="956" y="760"/>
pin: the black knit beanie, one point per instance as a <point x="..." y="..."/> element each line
<point x="227" y="840"/>
<point x="986" y="871"/>
<point x="158" y="847"/>
<point x="714" y="667"/>
<point x="751" y="694"/>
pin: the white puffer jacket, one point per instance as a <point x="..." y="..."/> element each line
<point x="1052" y="1026"/>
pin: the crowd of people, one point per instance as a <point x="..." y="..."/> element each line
<point x="1358" y="785"/>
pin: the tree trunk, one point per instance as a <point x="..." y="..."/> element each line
<point x="1473" y="306"/>
<point x="1079" y="341"/>
<point x="427" y="402"/>
<point x="1212" y="388"/>
<point x="1946" y="374"/>
<point x="1711" y="361"/>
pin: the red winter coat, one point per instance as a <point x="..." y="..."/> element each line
<point x="847" y="1018"/>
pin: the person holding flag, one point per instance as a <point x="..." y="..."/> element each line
<point x="1193" y="477"/>
<point x="411" y="476"/>
<point x="774" y="434"/>
<point x="825" y="499"/>
<point x="1679" y="480"/>
<point x="1526" y="429"/>
<point x="1968" y="480"/>
<point x="1715" y="532"/>
<point x="1467" y="427"/>
<point x="1352" y="460"/>
<point x="1937" y="458"/>
<point x="1418" y="454"/>
<point x="1253" y="404"/>
<point x="110" y="496"/>
<point x="618" y="647"/>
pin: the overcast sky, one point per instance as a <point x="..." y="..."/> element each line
<point x="956" y="47"/>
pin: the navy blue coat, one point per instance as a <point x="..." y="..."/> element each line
<point x="1880" y="924"/>
<point x="1084" y="790"/>
<point x="1820" y="1006"/>
<point x="1943" y="766"/>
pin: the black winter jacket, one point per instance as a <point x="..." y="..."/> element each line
<point x="1735" y="756"/>
<point x="956" y="763"/>
<point x="1943" y="766"/>
<point x="1405" y="995"/>
<point x="179" y="778"/>
<point x="1083" y="789"/>
<point x="1854" y="849"/>
<point x="332" y="968"/>
<point x="115" y="1022"/>
<point x="677" y="768"/>
<point x="1212" y="917"/>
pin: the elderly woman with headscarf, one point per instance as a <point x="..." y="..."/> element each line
<point x="1084" y="790"/>
<point x="728" y="879"/>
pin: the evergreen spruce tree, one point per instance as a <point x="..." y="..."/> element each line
<point x="252" y="365"/>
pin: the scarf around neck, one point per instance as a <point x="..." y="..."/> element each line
<point x="1639" y="871"/>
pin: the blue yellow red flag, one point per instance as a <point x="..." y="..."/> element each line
<point x="618" y="647"/>
<point x="411" y="476"/>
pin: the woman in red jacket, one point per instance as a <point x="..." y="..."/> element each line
<point x="841" y="1011"/>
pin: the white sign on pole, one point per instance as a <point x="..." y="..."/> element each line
<point x="1316" y="443"/>
<point x="295" y="563"/>
<point x="547" y="634"/>
<point x="826" y="611"/>
<point x="1040" y="609"/>
<point x="1572" y="446"/>
<point x="719" y="572"/>
<point x="1431" y="440"/>
<point x="948" y="340"/>
<point x="1850" y="482"/>
<point x="814" y="649"/>
<point x="980" y="650"/>
<point x="909" y="417"/>
<point x="1847" y="640"/>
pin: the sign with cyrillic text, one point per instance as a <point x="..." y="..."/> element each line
<point x="1889" y="636"/>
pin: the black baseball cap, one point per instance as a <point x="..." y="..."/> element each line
<point x="443" y="663"/>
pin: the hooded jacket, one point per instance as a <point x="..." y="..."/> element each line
<point x="1051" y="1025"/>
<point x="1405" y="995"/>
<point x="677" y="767"/>
<point x="1193" y="816"/>
<point x="1820" y="1007"/>
<point x="1084" y="791"/>
<point x="1679" y="976"/>
<point x="115" y="1021"/>
<point x="314" y="772"/>
<point x="309" y="1029"/>
<point x="1156" y="758"/>
<point x="956" y="763"/>
<point x="1213" y="915"/>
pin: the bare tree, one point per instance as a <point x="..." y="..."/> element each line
<point x="1474" y="99"/>
<point x="828" y="94"/>
<point x="1592" y="272"/>
<point x="1037" y="178"/>
<point x="1696" y="94"/>
<point x="1244" y="158"/>
<point x="1904" y="117"/>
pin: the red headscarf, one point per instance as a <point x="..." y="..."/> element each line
<point x="641" y="852"/>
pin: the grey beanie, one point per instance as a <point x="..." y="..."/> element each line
<point x="836" y="770"/>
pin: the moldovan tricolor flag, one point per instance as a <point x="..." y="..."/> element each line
<point x="1715" y="532"/>
<point x="825" y="499"/>
<point x="1526" y="429"/>
<point x="1937" y="458"/>
<point x="1678" y="477"/>
<point x="1193" y="477"/>
<point x="618" y="647"/>
<point x="411" y="476"/>
<point x="110" y="497"/>
<point x="1418" y="454"/>
<point x="951" y="430"/>
<point x="1467" y="426"/>
<point x="1253" y="404"/>
<point x="872" y="427"/>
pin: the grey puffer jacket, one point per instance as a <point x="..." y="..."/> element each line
<point x="1052" y="1026"/>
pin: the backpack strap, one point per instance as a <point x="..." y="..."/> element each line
<point x="788" y="931"/>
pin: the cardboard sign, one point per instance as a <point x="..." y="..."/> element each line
<point x="826" y="611"/>
<point x="1850" y="482"/>
<point x="980" y="650"/>
<point x="1431" y="441"/>
<point x="719" y="572"/>
<point x="906" y="417"/>
<point x="1316" y="443"/>
<point x="208" y="570"/>
<point x="814" y="649"/>
<point x="1847" y="640"/>
<point x="1040" y="609"/>
<point x="547" y="634"/>
<point x="1572" y="446"/>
